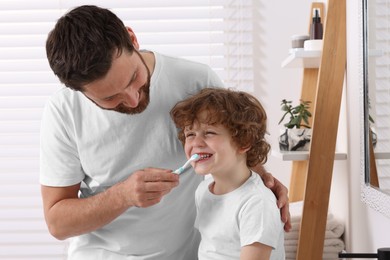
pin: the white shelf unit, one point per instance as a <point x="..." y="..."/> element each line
<point x="322" y="84"/>
<point x="302" y="59"/>
<point x="302" y="155"/>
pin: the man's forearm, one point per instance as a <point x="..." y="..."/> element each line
<point x="73" y="216"/>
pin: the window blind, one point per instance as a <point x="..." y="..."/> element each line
<point x="379" y="55"/>
<point x="215" y="32"/>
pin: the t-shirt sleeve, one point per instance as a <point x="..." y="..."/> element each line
<point x="59" y="162"/>
<point x="214" y="80"/>
<point x="259" y="221"/>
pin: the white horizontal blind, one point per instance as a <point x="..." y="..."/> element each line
<point x="379" y="55"/>
<point x="215" y="32"/>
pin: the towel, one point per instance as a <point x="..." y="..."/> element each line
<point x="325" y="256"/>
<point x="331" y="256"/>
<point x="334" y="229"/>
<point x="333" y="244"/>
<point x="332" y="247"/>
<point x="296" y="212"/>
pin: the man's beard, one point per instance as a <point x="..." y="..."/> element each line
<point x="142" y="105"/>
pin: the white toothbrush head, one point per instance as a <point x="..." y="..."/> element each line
<point x="193" y="158"/>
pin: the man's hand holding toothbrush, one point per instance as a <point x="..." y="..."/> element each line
<point x="148" y="186"/>
<point x="145" y="188"/>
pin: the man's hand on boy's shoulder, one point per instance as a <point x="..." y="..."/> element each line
<point x="281" y="193"/>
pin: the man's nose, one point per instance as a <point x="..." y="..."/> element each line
<point x="131" y="98"/>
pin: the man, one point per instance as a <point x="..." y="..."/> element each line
<point x="101" y="135"/>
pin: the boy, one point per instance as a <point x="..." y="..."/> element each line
<point x="237" y="215"/>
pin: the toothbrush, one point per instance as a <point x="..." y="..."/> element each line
<point x="194" y="157"/>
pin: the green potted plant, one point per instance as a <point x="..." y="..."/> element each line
<point x="296" y="135"/>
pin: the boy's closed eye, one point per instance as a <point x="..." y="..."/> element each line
<point x="210" y="133"/>
<point x="189" y="134"/>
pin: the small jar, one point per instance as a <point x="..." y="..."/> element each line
<point x="313" y="45"/>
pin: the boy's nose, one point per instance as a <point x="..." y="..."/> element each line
<point x="199" y="140"/>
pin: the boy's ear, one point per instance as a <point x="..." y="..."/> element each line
<point x="244" y="149"/>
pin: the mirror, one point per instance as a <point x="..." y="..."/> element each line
<point x="376" y="104"/>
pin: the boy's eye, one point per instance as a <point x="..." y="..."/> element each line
<point x="210" y="133"/>
<point x="188" y="135"/>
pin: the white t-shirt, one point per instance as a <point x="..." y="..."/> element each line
<point x="230" y="221"/>
<point x="81" y="142"/>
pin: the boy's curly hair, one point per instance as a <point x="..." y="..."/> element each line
<point x="238" y="111"/>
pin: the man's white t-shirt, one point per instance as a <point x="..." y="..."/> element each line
<point x="81" y="142"/>
<point x="239" y="218"/>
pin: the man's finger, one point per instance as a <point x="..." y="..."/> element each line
<point x="160" y="186"/>
<point x="159" y="175"/>
<point x="268" y="179"/>
<point x="287" y="221"/>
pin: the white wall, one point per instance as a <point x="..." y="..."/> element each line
<point x="366" y="230"/>
<point x="277" y="23"/>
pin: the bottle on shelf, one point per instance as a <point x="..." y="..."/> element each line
<point x="316" y="28"/>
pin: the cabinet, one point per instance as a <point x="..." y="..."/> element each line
<point x="322" y="85"/>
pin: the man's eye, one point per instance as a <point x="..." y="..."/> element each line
<point x="109" y="99"/>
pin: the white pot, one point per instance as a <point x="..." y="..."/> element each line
<point x="295" y="139"/>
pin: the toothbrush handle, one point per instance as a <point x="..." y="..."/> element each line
<point x="186" y="164"/>
<point x="179" y="171"/>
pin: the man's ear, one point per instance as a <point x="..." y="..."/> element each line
<point x="133" y="38"/>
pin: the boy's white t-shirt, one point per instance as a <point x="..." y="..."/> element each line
<point x="81" y="142"/>
<point x="242" y="217"/>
